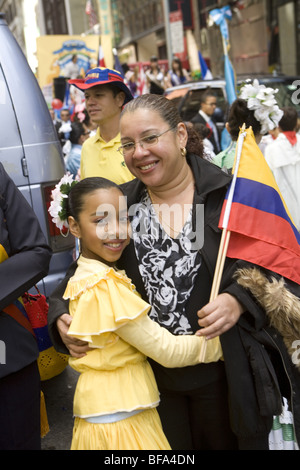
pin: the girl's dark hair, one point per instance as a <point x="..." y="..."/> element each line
<point x="86" y="186"/>
<point x="76" y="132"/>
<point x="164" y="107"/>
<point x="239" y="114"/>
<point x="178" y="62"/>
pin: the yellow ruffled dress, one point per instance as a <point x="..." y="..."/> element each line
<point x="115" y="376"/>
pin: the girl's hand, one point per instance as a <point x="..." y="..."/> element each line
<point x="219" y="316"/>
<point x="76" y="347"/>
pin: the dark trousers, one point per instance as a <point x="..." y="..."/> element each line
<point x="198" y="419"/>
<point x="20" y="427"/>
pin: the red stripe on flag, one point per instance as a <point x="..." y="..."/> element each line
<point x="265" y="254"/>
<point x="261" y="229"/>
<point x="101" y="60"/>
<point x="265" y="226"/>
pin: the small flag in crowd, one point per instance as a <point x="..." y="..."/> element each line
<point x="101" y="60"/>
<point x="261" y="228"/>
<point x="229" y="79"/>
<point x="205" y="72"/>
<point x="219" y="16"/>
<point x="90" y="11"/>
<point x="142" y="81"/>
<point x="117" y="63"/>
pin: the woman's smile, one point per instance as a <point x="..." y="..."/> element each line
<point x="147" y="166"/>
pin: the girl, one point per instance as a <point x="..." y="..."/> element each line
<point x="155" y="77"/>
<point x="177" y="75"/>
<point x="252" y="109"/>
<point x="116" y="395"/>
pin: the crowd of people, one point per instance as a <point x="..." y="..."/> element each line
<point x="163" y="364"/>
<point x="72" y="135"/>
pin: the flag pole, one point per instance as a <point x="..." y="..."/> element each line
<point x="220" y="263"/>
<point x="218" y="275"/>
<point x="226" y="233"/>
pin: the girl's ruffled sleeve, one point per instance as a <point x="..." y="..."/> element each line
<point x="102" y="303"/>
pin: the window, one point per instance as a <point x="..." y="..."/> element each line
<point x="55" y="14"/>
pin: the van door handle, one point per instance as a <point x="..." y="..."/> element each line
<point x="24" y="166"/>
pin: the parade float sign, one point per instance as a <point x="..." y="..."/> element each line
<point x="55" y="51"/>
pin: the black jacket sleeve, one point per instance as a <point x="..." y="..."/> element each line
<point x="22" y="240"/>
<point x="57" y="307"/>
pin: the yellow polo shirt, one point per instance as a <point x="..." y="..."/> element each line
<point x="100" y="158"/>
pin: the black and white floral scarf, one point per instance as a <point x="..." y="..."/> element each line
<point x="168" y="266"/>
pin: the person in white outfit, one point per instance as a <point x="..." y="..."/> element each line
<point x="283" y="157"/>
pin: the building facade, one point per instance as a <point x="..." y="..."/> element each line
<point x="264" y="34"/>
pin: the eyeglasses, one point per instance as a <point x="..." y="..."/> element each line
<point x="146" y="142"/>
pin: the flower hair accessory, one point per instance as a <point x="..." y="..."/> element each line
<point x="261" y="100"/>
<point x="58" y="206"/>
<point x="79" y="111"/>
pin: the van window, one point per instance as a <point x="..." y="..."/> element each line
<point x="11" y="137"/>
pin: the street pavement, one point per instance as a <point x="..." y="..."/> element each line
<point x="59" y="393"/>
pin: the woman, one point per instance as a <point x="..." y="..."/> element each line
<point x="171" y="260"/>
<point x="177" y="75"/>
<point x="155" y="77"/>
<point x="256" y="107"/>
<point x="238" y="115"/>
<point x="24" y="260"/>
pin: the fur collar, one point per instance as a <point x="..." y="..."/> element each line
<point x="281" y="306"/>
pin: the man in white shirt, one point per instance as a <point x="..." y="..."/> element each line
<point x="283" y="157"/>
<point x="72" y="69"/>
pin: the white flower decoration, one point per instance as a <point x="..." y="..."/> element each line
<point x="56" y="206"/>
<point x="261" y="100"/>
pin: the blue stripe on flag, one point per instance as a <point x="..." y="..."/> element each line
<point x="249" y="193"/>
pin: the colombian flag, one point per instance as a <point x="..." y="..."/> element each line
<point x="261" y="228"/>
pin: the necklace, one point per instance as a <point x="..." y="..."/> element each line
<point x="162" y="221"/>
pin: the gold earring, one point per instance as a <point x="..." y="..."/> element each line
<point x="183" y="152"/>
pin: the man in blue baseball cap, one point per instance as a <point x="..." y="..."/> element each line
<point x="105" y="95"/>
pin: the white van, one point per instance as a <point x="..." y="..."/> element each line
<point x="29" y="148"/>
